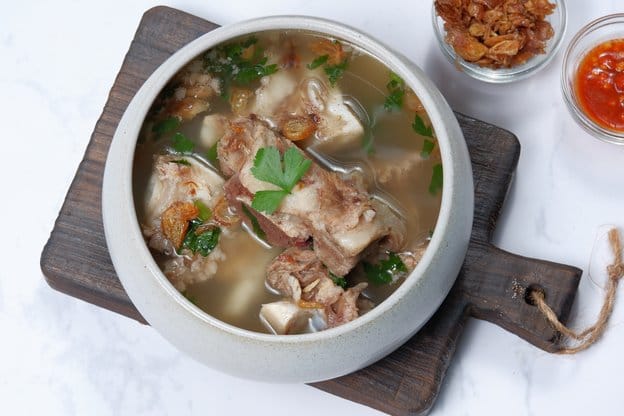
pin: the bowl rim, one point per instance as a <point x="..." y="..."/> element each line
<point x="567" y="83"/>
<point x="504" y="75"/>
<point x="153" y="85"/>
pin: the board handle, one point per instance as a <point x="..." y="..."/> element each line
<point x="414" y="371"/>
<point x="497" y="284"/>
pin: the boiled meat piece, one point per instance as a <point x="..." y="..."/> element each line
<point x="299" y="275"/>
<point x="280" y="234"/>
<point x="176" y="183"/>
<point x="336" y="120"/>
<point x="281" y="99"/>
<point x="345" y="309"/>
<point x="335" y="212"/>
<point x="293" y="269"/>
<point x="212" y="128"/>
<point x="273" y="90"/>
<point x="284" y="317"/>
<point x="192" y="91"/>
<point x="177" y="178"/>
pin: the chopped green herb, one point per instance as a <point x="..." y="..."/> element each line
<point x="234" y="50"/>
<point x="251" y="40"/>
<point x="211" y="154"/>
<point x="368" y="139"/>
<point x="394" y="101"/>
<point x="204" y="212"/>
<point x="427" y="148"/>
<point x="190" y="297"/>
<point x="202" y="243"/>
<point x="207" y="241"/>
<point x="181" y="162"/>
<point x="269" y="167"/>
<point x="396" y="88"/>
<point x="230" y="64"/>
<point x="165" y="126"/>
<point x="248" y="73"/>
<point x="436" y="179"/>
<point x="420" y="127"/>
<point x="182" y="144"/>
<point x="335" y="72"/>
<point x="395" y="81"/>
<point x="338" y="281"/>
<point x="318" y="62"/>
<point x="168" y="91"/>
<point x="386" y="270"/>
<point x="254" y="222"/>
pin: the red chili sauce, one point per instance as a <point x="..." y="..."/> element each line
<point x="600" y="84"/>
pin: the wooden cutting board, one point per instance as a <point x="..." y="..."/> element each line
<point x="492" y="284"/>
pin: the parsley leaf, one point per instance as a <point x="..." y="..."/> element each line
<point x="181" y="162"/>
<point x="269" y="167"/>
<point x="295" y="166"/>
<point x="254" y="222"/>
<point x="436" y="179"/>
<point x="396" y="88"/>
<point x="165" y="126"/>
<point x="420" y="127"/>
<point x="202" y="243"/>
<point x="267" y="201"/>
<point x="386" y="270"/>
<point x="427" y="148"/>
<point x="182" y="144"/>
<point x="318" y="62"/>
<point x="338" y="281"/>
<point x="335" y="72"/>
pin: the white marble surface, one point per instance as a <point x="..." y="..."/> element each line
<point x="61" y="356"/>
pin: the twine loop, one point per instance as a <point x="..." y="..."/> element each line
<point x="586" y="338"/>
<point x="616" y="271"/>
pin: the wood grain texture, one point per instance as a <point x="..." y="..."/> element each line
<point x="492" y="284"/>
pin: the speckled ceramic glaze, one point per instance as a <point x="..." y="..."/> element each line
<point x="289" y="358"/>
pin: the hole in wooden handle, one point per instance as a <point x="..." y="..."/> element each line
<point x="581" y="340"/>
<point x="528" y="294"/>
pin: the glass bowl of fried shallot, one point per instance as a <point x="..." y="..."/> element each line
<point x="499" y="41"/>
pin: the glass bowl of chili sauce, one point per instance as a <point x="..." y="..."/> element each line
<point x="593" y="78"/>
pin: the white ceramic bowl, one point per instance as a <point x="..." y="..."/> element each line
<point x="289" y="358"/>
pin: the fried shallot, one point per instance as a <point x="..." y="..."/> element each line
<point x="496" y="33"/>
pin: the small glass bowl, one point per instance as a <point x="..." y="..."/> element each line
<point x="600" y="30"/>
<point x="504" y="75"/>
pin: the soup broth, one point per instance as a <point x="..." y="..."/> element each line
<point x="287" y="169"/>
